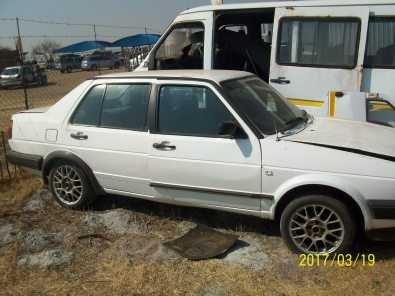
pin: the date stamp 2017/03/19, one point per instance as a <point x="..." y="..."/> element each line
<point x="336" y="260"/>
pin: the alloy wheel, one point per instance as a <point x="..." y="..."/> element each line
<point x="67" y="184"/>
<point x="316" y="229"/>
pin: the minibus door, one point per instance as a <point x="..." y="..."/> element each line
<point x="316" y="51"/>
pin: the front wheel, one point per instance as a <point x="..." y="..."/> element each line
<point x="70" y="186"/>
<point x="318" y="224"/>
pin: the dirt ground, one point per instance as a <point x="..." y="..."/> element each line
<point x="13" y="100"/>
<point x="115" y="248"/>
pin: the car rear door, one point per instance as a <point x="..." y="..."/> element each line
<point x="317" y="50"/>
<point x="190" y="163"/>
<point x="108" y="131"/>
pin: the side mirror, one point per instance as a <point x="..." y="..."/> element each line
<point x="232" y="130"/>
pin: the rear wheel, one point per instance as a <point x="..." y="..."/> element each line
<point x="68" y="69"/>
<point x="70" y="186"/>
<point x="318" y="224"/>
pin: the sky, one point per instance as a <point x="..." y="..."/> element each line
<point x="154" y="14"/>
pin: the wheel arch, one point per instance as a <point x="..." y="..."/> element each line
<point x="56" y="156"/>
<point x="351" y="197"/>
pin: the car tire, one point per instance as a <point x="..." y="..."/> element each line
<point x="68" y="69"/>
<point x="70" y="186"/>
<point x="318" y="224"/>
<point x="62" y="71"/>
<point x="94" y="67"/>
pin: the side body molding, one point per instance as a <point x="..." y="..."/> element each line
<point x="71" y="157"/>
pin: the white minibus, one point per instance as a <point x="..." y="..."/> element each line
<point x="331" y="58"/>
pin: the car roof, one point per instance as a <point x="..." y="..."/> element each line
<point x="273" y="4"/>
<point x="213" y="75"/>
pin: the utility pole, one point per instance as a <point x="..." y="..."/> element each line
<point x="94" y="30"/>
<point x="145" y="29"/>
<point x="19" y="48"/>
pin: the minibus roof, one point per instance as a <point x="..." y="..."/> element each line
<point x="274" y="4"/>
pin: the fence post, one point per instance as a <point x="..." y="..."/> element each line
<point x="19" y="49"/>
<point x="4" y="147"/>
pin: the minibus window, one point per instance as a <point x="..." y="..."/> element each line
<point x="318" y="42"/>
<point x="380" y="49"/>
<point x="182" y="48"/>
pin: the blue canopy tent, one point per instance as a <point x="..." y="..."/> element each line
<point x="83" y="46"/>
<point x="137" y="40"/>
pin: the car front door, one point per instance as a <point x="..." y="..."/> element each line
<point x="190" y="161"/>
<point x="108" y="131"/>
<point x="317" y="50"/>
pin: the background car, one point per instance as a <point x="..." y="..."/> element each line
<point x="100" y="61"/>
<point x="16" y="76"/>
<point x="68" y="63"/>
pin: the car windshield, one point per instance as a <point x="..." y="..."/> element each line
<point x="262" y="105"/>
<point x="10" y="71"/>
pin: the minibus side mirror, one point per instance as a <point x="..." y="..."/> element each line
<point x="232" y="130"/>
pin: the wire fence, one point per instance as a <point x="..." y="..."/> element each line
<point x="25" y="84"/>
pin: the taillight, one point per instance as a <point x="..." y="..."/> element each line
<point x="9" y="131"/>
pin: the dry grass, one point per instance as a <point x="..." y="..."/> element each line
<point x="101" y="270"/>
<point x="14" y="192"/>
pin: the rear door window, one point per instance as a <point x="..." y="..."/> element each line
<point x="380" y="49"/>
<point x="318" y="42"/>
<point x="125" y="106"/>
<point x="182" y="48"/>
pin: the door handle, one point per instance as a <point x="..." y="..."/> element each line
<point x="280" y="80"/>
<point x="164" y="145"/>
<point x="79" y="136"/>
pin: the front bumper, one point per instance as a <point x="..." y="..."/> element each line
<point x="25" y="160"/>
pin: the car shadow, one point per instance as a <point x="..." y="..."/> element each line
<point x="207" y="217"/>
<point x="382" y="250"/>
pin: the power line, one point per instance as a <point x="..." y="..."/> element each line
<point x="80" y="24"/>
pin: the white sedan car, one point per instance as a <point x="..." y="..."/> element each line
<point x="215" y="139"/>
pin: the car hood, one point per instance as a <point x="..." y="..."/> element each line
<point x="352" y="136"/>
